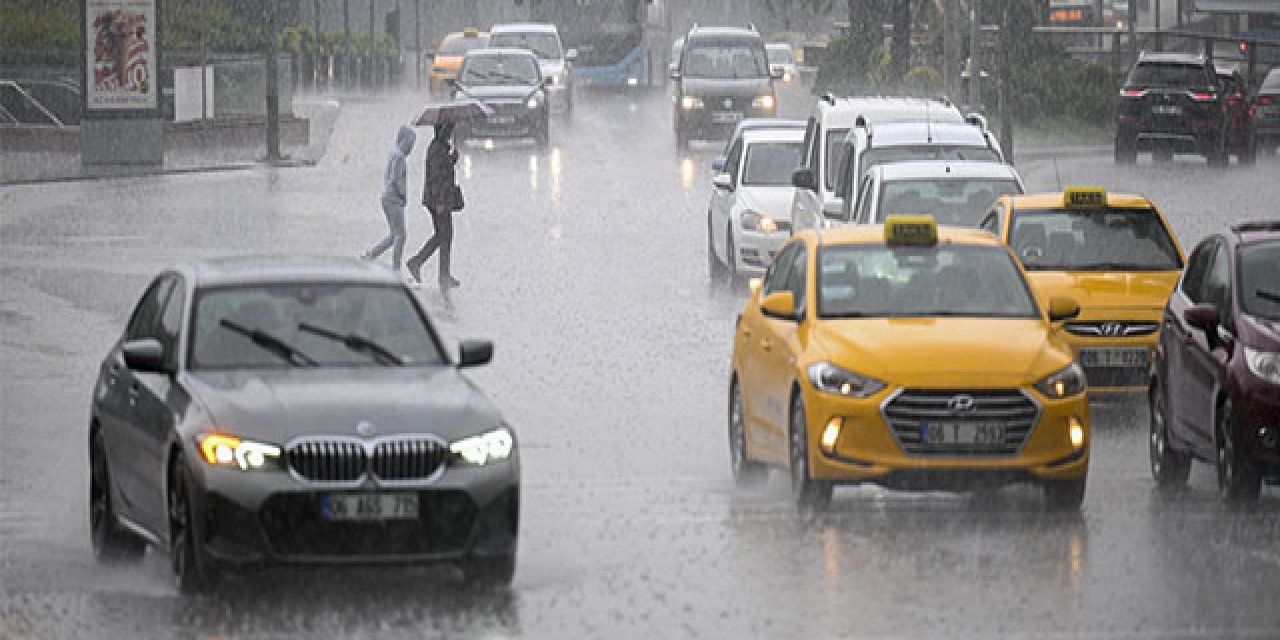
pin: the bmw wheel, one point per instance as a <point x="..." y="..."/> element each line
<point x="193" y="569"/>
<point x="808" y="493"/>
<point x="1238" y="482"/>
<point x="1169" y="467"/>
<point x="110" y="541"/>
<point x="489" y="572"/>
<point x="746" y="472"/>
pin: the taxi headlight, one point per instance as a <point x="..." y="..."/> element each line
<point x="828" y="378"/>
<point x="754" y="221"/>
<point x="690" y="102"/>
<point x="1264" y="364"/>
<point x="485" y="448"/>
<point x="1067" y="382"/>
<point x="764" y="102"/>
<point x="222" y="450"/>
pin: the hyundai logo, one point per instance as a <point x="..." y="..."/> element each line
<point x="961" y="403"/>
<point x="364" y="428"/>
<point x="1111" y="329"/>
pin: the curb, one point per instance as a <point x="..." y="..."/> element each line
<point x="1041" y="153"/>
<point x="151" y="173"/>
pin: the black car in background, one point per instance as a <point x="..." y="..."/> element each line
<point x="1266" y="112"/>
<point x="510" y="81"/>
<point x="722" y="77"/>
<point x="296" y="411"/>
<point x="1172" y="103"/>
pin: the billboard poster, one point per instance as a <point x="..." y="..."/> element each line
<point x="121" y="66"/>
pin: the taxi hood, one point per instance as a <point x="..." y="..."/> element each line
<point x="277" y="405"/>
<point x="945" y="352"/>
<point x="1106" y="290"/>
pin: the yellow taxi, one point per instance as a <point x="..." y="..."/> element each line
<point x="1112" y="253"/>
<point x="907" y="355"/>
<point x="447" y="58"/>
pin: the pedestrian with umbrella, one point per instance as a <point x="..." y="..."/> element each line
<point x="441" y="194"/>
<point x="394" y="197"/>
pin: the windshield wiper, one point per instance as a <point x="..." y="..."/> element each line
<point x="355" y="342"/>
<point x="271" y="343"/>
<point x="1267" y="295"/>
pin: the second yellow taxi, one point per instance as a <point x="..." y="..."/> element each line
<point x="1115" y="255"/>
<point x="447" y="59"/>
<point x="907" y="355"/>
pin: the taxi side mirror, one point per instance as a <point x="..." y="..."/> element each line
<point x="1062" y="309"/>
<point x="779" y="304"/>
<point x="803" y="178"/>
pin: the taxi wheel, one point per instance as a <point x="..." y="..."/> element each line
<point x="111" y="543"/>
<point x="746" y="472"/>
<point x="193" y="570"/>
<point x="1238" y="482"/>
<point x="715" y="268"/>
<point x="809" y="494"/>
<point x="1169" y="468"/>
<point x="1064" y="495"/>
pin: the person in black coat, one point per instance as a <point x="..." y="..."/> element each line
<point x="441" y="196"/>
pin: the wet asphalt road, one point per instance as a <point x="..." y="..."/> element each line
<point x="586" y="264"/>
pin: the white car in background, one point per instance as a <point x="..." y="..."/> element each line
<point x="747" y="218"/>
<point x="555" y="63"/>
<point x="954" y="193"/>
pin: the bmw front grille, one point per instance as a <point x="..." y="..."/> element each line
<point x="393" y="459"/>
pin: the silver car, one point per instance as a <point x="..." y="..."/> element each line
<point x="296" y="410"/>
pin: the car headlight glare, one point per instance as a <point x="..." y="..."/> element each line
<point x="828" y="378"/>
<point x="690" y="102"/>
<point x="1067" y="382"/>
<point x="754" y="221"/>
<point x="221" y="450"/>
<point x="765" y="102"/>
<point x="485" y="448"/>
<point x="1264" y="364"/>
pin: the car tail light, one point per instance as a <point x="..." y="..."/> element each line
<point x="1133" y="93"/>
<point x="1202" y="96"/>
<point x="1264" y="100"/>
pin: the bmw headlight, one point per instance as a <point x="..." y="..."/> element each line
<point x="766" y="102"/>
<point x="753" y="221"/>
<point x="222" y="450"/>
<point x="828" y="378"/>
<point x="1067" y="382"/>
<point x="690" y="102"/>
<point x="485" y="448"/>
<point x="1264" y="364"/>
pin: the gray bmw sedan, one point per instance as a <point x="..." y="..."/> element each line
<point x="296" y="410"/>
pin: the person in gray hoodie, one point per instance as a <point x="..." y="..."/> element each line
<point x="394" y="196"/>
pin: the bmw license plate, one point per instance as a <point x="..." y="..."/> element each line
<point x="501" y="119"/>
<point x="1166" y="110"/>
<point x="962" y="433"/>
<point x="370" y="506"/>
<point x="1131" y="357"/>
<point x="724" y="117"/>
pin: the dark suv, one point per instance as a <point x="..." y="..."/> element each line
<point x="1215" y="385"/>
<point x="1171" y="103"/>
<point x="722" y="77"/>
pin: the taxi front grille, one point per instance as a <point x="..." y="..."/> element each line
<point x="1111" y="328"/>
<point x="912" y="412"/>
<point x="396" y="459"/>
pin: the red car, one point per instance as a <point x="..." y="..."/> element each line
<point x="1215" y="385"/>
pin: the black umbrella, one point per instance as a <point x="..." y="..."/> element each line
<point x="450" y="112"/>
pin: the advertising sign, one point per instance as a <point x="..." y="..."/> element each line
<point x="121" y="38"/>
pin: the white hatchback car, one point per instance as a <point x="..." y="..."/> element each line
<point x="555" y="63"/>
<point x="748" y="216"/>
<point x="954" y="193"/>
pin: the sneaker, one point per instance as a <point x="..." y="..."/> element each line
<point x="415" y="271"/>
<point x="449" y="282"/>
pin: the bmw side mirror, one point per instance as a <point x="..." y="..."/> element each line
<point x="722" y="181"/>
<point x="803" y="179"/>
<point x="473" y="353"/>
<point x="144" y="354"/>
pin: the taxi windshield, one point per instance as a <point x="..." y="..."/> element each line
<point x="954" y="201"/>
<point x="857" y="281"/>
<point x="771" y="163"/>
<point x="327" y="325"/>
<point x="1259" y="286"/>
<point x="1106" y="239"/>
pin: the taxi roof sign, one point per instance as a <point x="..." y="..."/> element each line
<point x="470" y="32"/>
<point x="1084" y="197"/>
<point x="910" y="230"/>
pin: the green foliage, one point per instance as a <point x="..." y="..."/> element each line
<point x="879" y="74"/>
<point x="190" y="26"/>
<point x="298" y="40"/>
<point x="1061" y="87"/>
<point x="332" y="42"/>
<point x="23" y="27"/>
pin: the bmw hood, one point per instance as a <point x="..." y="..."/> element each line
<point x="278" y="405"/>
<point x="499" y="93"/>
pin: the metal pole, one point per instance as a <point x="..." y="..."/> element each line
<point x="373" y="65"/>
<point x="975" y="66"/>
<point x="315" y="53"/>
<point x="417" y="36"/>
<point x="273" y="90"/>
<point x="949" y="48"/>
<point x="1006" y="77"/>
<point x="346" y="43"/>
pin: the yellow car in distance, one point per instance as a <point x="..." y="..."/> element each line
<point x="445" y="60"/>
<point x="907" y="355"/>
<point x="1115" y="255"/>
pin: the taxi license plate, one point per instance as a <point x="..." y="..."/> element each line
<point x="500" y="119"/>
<point x="370" y="506"/>
<point x="725" y="116"/>
<point x="1166" y="110"/>
<point x="962" y="433"/>
<point x="1126" y="358"/>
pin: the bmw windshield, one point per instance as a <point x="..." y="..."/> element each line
<point x="491" y="70"/>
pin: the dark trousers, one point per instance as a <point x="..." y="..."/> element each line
<point x="442" y="240"/>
